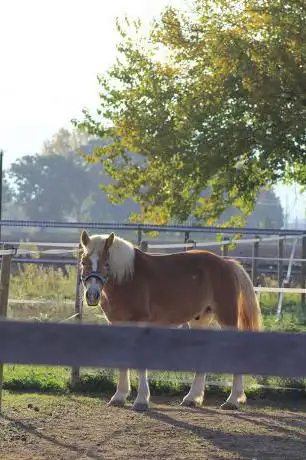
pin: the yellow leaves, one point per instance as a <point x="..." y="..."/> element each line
<point x="256" y="19"/>
<point x="166" y="70"/>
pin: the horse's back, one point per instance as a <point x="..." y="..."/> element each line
<point x="186" y="258"/>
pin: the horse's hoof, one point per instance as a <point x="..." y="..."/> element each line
<point x="242" y="399"/>
<point x="116" y="403"/>
<point x="140" y="407"/>
<point x="229" y="406"/>
<point x="190" y="403"/>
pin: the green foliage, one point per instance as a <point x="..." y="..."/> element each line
<point x="211" y="100"/>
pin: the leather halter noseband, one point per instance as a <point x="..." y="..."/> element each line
<point x="97" y="275"/>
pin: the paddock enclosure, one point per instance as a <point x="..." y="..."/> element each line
<point x="75" y="426"/>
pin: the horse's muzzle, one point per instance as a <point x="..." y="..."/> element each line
<point x="92" y="296"/>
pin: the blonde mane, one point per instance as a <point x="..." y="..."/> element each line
<point x="121" y="255"/>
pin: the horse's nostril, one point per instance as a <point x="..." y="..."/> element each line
<point x="92" y="296"/>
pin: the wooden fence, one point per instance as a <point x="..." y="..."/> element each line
<point x="75" y="345"/>
<point x="156" y="348"/>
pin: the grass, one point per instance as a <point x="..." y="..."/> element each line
<point x="43" y="283"/>
<point x="39" y="282"/>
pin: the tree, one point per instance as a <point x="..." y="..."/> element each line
<point x="65" y="143"/>
<point x="268" y="212"/>
<point x="60" y="185"/>
<point x="7" y="195"/>
<point x="7" y="192"/>
<point x="56" y="184"/>
<point x="71" y="144"/>
<point x="224" y="109"/>
<point x="50" y="187"/>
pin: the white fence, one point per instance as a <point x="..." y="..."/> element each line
<point x="72" y="248"/>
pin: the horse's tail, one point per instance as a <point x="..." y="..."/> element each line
<point x="249" y="313"/>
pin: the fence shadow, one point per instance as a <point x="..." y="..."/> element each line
<point x="277" y="443"/>
<point x="29" y="429"/>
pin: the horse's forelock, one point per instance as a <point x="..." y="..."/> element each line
<point x="121" y="255"/>
<point x="96" y="244"/>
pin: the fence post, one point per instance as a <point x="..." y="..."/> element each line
<point x="286" y="280"/>
<point x="255" y="254"/>
<point x="78" y="308"/>
<point x="144" y="246"/>
<point x="139" y="236"/>
<point x="4" y="295"/>
<point x="188" y="240"/>
<point x="280" y="265"/>
<point x="224" y="247"/>
<point x="303" y="280"/>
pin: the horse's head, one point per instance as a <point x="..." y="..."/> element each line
<point x="95" y="268"/>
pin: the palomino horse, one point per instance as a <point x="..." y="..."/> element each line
<point x="191" y="287"/>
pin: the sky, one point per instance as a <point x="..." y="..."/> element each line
<point x="51" y="54"/>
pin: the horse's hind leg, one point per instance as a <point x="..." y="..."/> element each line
<point x="143" y="393"/>
<point x="123" y="389"/>
<point x="237" y="394"/>
<point x="227" y="317"/>
<point x="195" y="396"/>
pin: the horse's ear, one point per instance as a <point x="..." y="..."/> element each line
<point x="84" y="240"/>
<point x="110" y="240"/>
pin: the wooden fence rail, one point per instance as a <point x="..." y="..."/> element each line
<point x="264" y="353"/>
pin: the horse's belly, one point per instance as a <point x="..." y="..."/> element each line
<point x="173" y="313"/>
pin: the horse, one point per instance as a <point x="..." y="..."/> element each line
<point x="184" y="288"/>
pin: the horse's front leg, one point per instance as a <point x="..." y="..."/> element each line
<point x="123" y="389"/>
<point x="237" y="395"/>
<point x="143" y="393"/>
<point x="196" y="393"/>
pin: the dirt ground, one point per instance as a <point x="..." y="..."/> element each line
<point x="72" y="427"/>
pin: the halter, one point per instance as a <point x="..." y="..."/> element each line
<point x="96" y="275"/>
